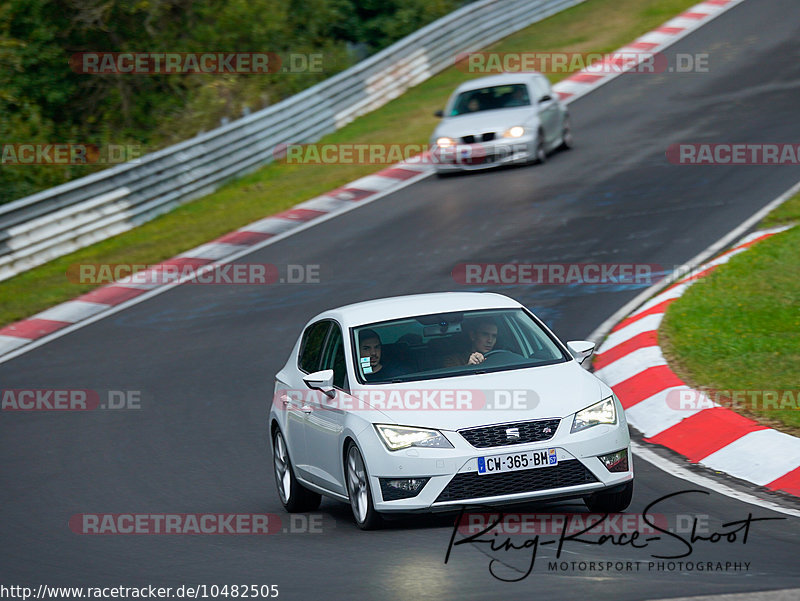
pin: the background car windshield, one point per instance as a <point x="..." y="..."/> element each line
<point x="440" y="345"/>
<point x="495" y="97"/>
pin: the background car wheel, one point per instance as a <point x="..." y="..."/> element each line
<point x="566" y="135"/>
<point x="294" y="496"/>
<point x="613" y="502"/>
<point x="358" y="490"/>
<point x="541" y="152"/>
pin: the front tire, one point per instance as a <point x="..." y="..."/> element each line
<point x="566" y="135"/>
<point x="294" y="496"/>
<point x="358" y="490"/>
<point x="614" y="502"/>
<point x="541" y="152"/>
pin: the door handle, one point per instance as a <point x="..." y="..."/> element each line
<point x="306" y="409"/>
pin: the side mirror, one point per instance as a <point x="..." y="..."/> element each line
<point x="581" y="349"/>
<point x="439" y="113"/>
<point x="545" y="98"/>
<point x="321" y="380"/>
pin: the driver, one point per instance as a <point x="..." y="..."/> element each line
<point x="483" y="337"/>
<point x="369" y="346"/>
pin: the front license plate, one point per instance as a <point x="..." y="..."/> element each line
<point x="497" y="464"/>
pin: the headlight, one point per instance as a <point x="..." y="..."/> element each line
<point x="444" y="142"/>
<point x="604" y="412"/>
<point x="401" y="437"/>
<point x="514" y="132"/>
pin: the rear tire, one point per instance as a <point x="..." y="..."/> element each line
<point x="614" y="502"/>
<point x="293" y="495"/>
<point x="358" y="491"/>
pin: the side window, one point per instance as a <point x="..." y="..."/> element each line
<point x="333" y="357"/>
<point x="311" y="346"/>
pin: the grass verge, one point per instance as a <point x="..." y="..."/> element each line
<point x="738" y="329"/>
<point x="594" y="26"/>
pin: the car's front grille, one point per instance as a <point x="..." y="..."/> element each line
<point x="504" y="434"/>
<point x="485" y="137"/>
<point x="471" y="485"/>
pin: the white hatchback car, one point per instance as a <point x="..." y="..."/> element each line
<point x="434" y="401"/>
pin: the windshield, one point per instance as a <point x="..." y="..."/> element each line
<point x="451" y="344"/>
<point x="495" y="97"/>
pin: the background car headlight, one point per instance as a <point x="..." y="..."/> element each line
<point x="401" y="437"/>
<point x="514" y="132"/>
<point x="604" y="412"/>
<point x="444" y="142"/>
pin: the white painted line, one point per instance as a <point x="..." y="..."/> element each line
<point x="212" y="251"/>
<point x="645" y="324"/>
<point x="759" y="457"/>
<point x="72" y="311"/>
<point x="377" y="183"/>
<point x="326" y="204"/>
<point x="654" y="415"/>
<point x="681" y="22"/>
<point x="630" y="365"/>
<point x="414" y="166"/>
<point x="9" y="343"/>
<point x="272" y="225"/>
<point x="678" y="471"/>
<point x="675" y="292"/>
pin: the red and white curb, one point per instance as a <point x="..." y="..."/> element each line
<point x="599" y="73"/>
<point x="630" y="361"/>
<point x="100" y="301"/>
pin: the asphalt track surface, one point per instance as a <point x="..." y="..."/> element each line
<point x="204" y="357"/>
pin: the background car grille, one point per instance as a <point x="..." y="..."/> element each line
<point x="495" y="436"/>
<point x="487" y="137"/>
<point x="471" y="485"/>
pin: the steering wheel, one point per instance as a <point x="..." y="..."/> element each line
<point x="497" y="353"/>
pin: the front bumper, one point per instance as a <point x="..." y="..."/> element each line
<point x="453" y="473"/>
<point x="486" y="155"/>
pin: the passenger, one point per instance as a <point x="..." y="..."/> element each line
<point x="483" y="337"/>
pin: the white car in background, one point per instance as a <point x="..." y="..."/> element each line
<point x="384" y="405"/>
<point x="499" y="120"/>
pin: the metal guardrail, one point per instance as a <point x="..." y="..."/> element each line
<point x="54" y="222"/>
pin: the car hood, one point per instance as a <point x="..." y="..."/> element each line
<point x="484" y="121"/>
<point x="465" y="401"/>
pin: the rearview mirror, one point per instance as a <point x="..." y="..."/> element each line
<point x="545" y="98"/>
<point x="581" y="349"/>
<point x="439" y="113"/>
<point x="321" y="380"/>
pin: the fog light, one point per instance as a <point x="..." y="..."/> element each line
<point x="393" y="489"/>
<point x="616" y="462"/>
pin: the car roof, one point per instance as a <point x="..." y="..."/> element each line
<point x="398" y="307"/>
<point x="502" y="79"/>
